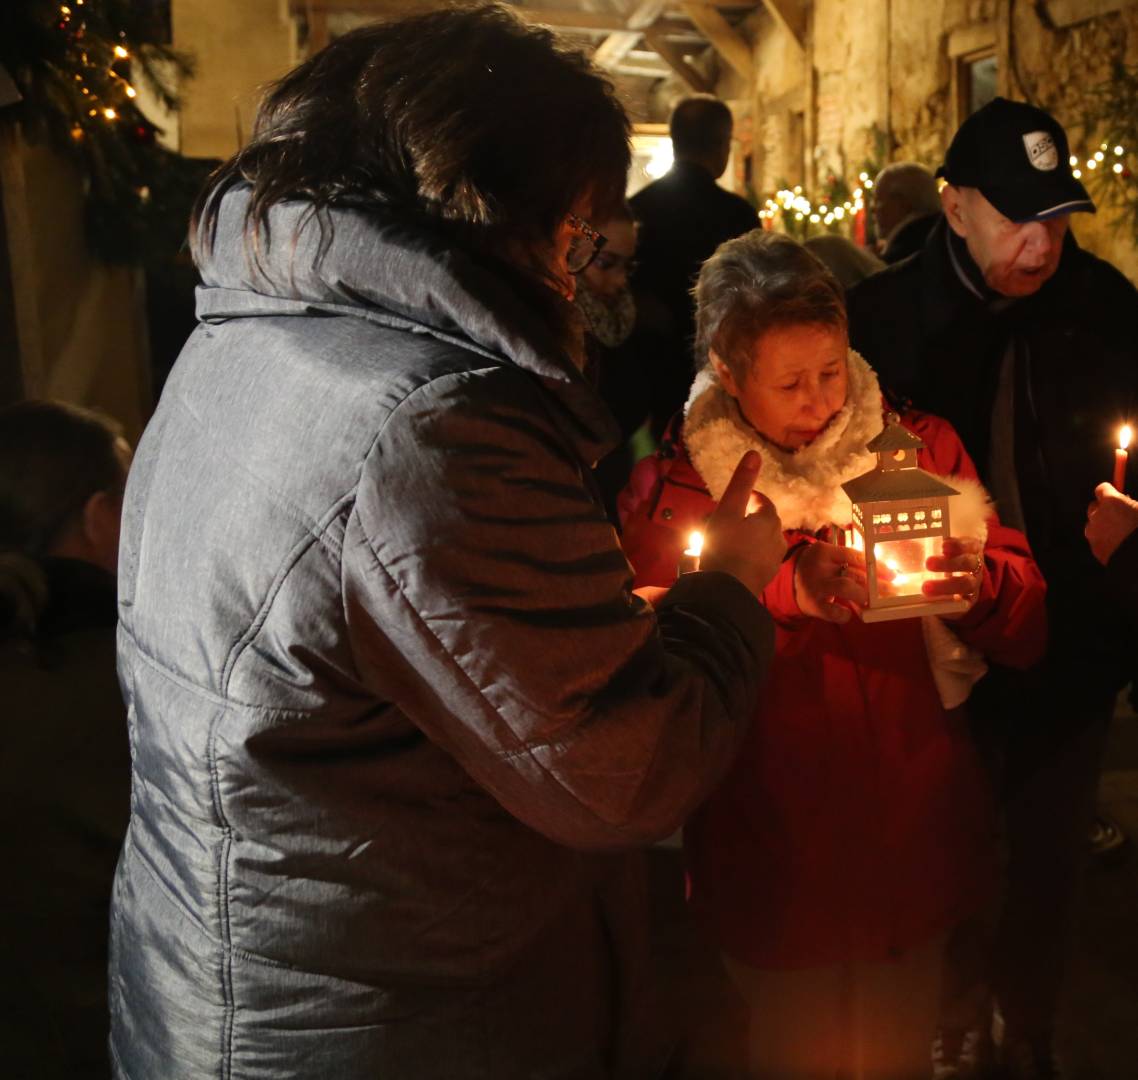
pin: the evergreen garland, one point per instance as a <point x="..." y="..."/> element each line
<point x="73" y="62"/>
<point x="1110" y="111"/>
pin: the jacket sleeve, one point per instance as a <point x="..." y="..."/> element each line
<point x="1008" y="622"/>
<point x="488" y="598"/>
<point x="1122" y="570"/>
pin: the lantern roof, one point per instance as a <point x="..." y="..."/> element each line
<point x="880" y="485"/>
<point x="895" y="436"/>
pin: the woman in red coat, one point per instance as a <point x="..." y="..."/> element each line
<point x="855" y="828"/>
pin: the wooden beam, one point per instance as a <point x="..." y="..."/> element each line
<point x="561" y="18"/>
<point x="673" y="56"/>
<point x="612" y="50"/>
<point x="970" y="39"/>
<point x="572" y="20"/>
<point x="1064" y="13"/>
<point x="724" y="38"/>
<point x="790" y="16"/>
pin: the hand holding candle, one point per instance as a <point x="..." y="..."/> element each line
<point x="743" y="536"/>
<point x="1120" y="457"/>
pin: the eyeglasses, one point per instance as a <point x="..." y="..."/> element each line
<point x="583" y="245"/>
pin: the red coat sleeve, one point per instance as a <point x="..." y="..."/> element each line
<point x="1008" y="622"/>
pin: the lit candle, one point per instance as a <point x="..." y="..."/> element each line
<point x="1120" y="456"/>
<point x="689" y="560"/>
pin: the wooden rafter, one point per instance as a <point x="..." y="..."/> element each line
<point x="668" y="36"/>
<point x="673" y="56"/>
<point x="724" y="38"/>
<point x="790" y="16"/>
<point x="612" y="50"/>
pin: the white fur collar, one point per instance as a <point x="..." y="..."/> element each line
<point x="805" y="485"/>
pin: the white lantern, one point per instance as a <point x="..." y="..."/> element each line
<point x="900" y="519"/>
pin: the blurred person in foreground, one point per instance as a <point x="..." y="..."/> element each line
<point x="906" y="206"/>
<point x="65" y="787"/>
<point x="393" y="702"/>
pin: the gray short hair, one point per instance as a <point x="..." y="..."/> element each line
<point x="753" y="283"/>
<point x="912" y="185"/>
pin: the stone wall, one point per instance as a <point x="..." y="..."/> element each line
<point x="79" y="325"/>
<point x="237" y="48"/>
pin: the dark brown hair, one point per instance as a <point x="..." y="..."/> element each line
<point x="53" y="458"/>
<point x="466" y="117"/>
<point x="700" y="126"/>
<point x="755" y="282"/>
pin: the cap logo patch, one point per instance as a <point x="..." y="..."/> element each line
<point x="1041" y="150"/>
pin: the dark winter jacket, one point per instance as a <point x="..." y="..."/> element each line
<point x="684" y="216"/>
<point x="388" y="685"/>
<point x="934" y="341"/>
<point x="909" y="238"/>
<point x="64" y="796"/>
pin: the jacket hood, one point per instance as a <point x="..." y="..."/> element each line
<point x="394" y="272"/>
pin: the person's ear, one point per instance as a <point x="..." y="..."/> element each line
<point x="723" y="373"/>
<point x="952" y="202"/>
<point x="101" y="521"/>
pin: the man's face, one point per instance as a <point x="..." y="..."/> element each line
<point x="1015" y="259"/>
<point x="888" y="207"/>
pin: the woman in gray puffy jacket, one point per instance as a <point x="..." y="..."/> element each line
<point x="393" y="705"/>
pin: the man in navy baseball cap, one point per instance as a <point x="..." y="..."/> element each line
<point x="1009" y="195"/>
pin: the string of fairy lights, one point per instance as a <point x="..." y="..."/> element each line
<point x="1101" y="159"/>
<point x="98" y="104"/>
<point x="791" y="202"/>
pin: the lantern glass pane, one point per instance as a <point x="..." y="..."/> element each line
<point x="900" y="565"/>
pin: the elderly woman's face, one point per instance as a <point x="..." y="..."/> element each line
<point x="796" y="383"/>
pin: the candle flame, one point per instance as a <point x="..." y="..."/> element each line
<point x="1124" y="437"/>
<point x="898" y="577"/>
<point x="695" y="543"/>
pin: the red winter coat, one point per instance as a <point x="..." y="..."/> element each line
<point x="856" y="822"/>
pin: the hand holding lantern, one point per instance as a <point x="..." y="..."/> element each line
<point x="964" y="561"/>
<point x="829" y="580"/>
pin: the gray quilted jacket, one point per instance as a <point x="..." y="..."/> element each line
<point x="391" y="700"/>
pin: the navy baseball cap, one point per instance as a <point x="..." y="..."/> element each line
<point x="1018" y="157"/>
